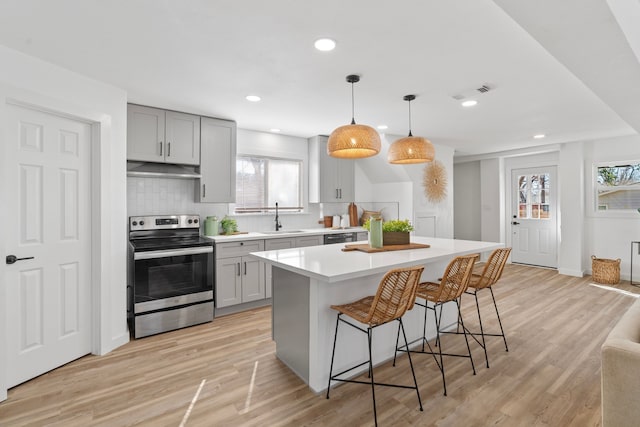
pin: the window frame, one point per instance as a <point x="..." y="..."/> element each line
<point x="595" y="202"/>
<point x="266" y="210"/>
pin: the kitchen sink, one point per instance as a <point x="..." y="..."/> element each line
<point x="282" y="232"/>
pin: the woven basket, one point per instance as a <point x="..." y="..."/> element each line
<point x="605" y="271"/>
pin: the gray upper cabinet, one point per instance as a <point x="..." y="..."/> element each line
<point x="330" y="179"/>
<point x="218" y="161"/>
<point x="156" y="135"/>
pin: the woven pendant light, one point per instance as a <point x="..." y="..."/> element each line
<point x="353" y="141"/>
<point x="411" y="149"/>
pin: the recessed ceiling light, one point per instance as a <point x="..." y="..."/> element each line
<point x="539" y="136"/>
<point x="470" y="103"/>
<point x="253" y="98"/>
<point x="276" y="130"/>
<point x="325" y="45"/>
<point x="382" y="127"/>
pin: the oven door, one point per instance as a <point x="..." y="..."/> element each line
<point x="170" y="278"/>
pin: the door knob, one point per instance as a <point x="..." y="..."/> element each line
<point x="11" y="259"/>
<point x="515" y="223"/>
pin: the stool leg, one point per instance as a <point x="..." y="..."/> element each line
<point x="499" y="321"/>
<point x="373" y="391"/>
<point x="484" y="344"/>
<point x="466" y="339"/>
<point x="415" y="382"/>
<point x="435" y="316"/>
<point x="395" y="354"/>
<point x="333" y="353"/>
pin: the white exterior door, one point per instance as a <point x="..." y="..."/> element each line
<point x="48" y="296"/>
<point x="534" y="216"/>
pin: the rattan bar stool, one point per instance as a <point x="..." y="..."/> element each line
<point x="452" y="285"/>
<point x="395" y="295"/>
<point x="491" y="273"/>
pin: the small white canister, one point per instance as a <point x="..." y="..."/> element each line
<point x="344" y="223"/>
<point x="336" y="221"/>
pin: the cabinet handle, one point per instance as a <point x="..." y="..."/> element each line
<point x="204" y="190"/>
<point x="337" y="196"/>
<point x="245" y="268"/>
<point x="340" y="193"/>
<point x="160" y="148"/>
<point x="238" y="269"/>
<point x="168" y="149"/>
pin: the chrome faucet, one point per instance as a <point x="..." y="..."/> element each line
<point x="278" y="225"/>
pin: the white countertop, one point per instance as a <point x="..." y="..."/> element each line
<point x="283" y="234"/>
<point x="328" y="263"/>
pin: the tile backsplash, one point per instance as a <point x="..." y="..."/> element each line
<point x="171" y="196"/>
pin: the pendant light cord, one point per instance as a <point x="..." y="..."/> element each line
<point x="410" y="118"/>
<point x="353" y="114"/>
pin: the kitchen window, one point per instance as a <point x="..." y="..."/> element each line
<point x="263" y="181"/>
<point x="617" y="186"/>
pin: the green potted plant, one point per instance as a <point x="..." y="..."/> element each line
<point x="394" y="231"/>
<point x="229" y="225"/>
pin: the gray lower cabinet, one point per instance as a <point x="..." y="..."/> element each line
<point x="362" y="235"/>
<point x="239" y="278"/>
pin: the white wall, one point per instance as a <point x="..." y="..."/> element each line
<point x="583" y="230"/>
<point x="466" y="201"/>
<point x="492" y="200"/>
<point x="55" y="88"/>
<point x="379" y="181"/>
<point x="571" y="210"/>
<point x="609" y="235"/>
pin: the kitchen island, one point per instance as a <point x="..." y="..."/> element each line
<point x="307" y="281"/>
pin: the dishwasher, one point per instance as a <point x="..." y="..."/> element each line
<point x="339" y="238"/>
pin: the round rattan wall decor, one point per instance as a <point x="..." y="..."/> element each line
<point x="434" y="181"/>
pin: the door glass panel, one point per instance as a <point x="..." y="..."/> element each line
<point x="533" y="196"/>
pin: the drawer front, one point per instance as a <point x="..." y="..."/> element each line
<point x="233" y="249"/>
<point x="272" y="244"/>
<point x="309" y="241"/>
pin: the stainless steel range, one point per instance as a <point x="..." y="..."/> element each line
<point x="170" y="283"/>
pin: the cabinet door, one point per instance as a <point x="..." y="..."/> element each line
<point x="182" y="133"/>
<point x="252" y="279"/>
<point x="228" y="281"/>
<point x="362" y="236"/>
<point x="330" y="179"/>
<point x="346" y="179"/>
<point x="217" y="161"/>
<point x="145" y="134"/>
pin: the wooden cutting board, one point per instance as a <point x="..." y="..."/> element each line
<point x="366" y="248"/>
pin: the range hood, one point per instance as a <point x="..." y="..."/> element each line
<point x="161" y="170"/>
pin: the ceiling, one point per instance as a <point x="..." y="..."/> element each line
<point x="566" y="69"/>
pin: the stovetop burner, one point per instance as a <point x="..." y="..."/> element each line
<point x="155" y="243"/>
<point x="148" y="233"/>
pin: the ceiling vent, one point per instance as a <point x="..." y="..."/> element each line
<point x="470" y="93"/>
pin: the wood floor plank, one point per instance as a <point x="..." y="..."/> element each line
<point x="550" y="376"/>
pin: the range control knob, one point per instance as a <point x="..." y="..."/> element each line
<point x="195" y="221"/>
<point x="134" y="223"/>
<point x="190" y="221"/>
<point x="141" y="222"/>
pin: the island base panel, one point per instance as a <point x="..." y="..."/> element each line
<point x="291" y="320"/>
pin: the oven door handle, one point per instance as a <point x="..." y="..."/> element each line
<point x="173" y="252"/>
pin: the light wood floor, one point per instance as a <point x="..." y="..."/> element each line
<point x="551" y="375"/>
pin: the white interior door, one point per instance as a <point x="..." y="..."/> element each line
<point x="48" y="296"/>
<point x="534" y="216"/>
